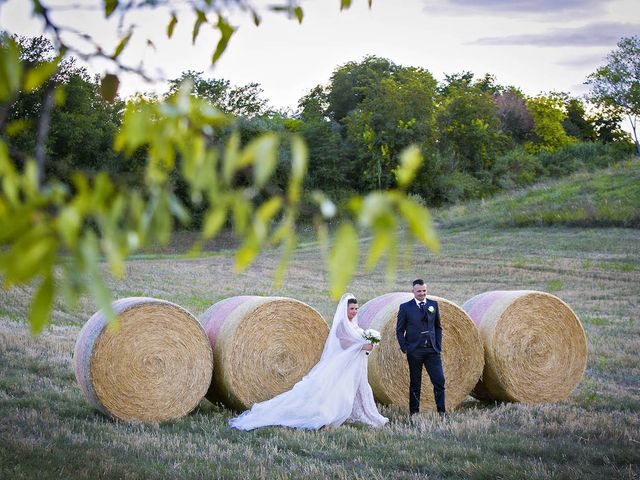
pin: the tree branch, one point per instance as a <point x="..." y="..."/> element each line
<point x="43" y="131"/>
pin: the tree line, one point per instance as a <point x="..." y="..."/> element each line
<point x="87" y="179"/>
<point x="476" y="136"/>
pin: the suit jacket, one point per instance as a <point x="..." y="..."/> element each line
<point x="411" y="322"/>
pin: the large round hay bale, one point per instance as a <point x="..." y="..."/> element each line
<point x="462" y="356"/>
<point x="262" y="346"/>
<point x="535" y="347"/>
<point x="155" y="366"/>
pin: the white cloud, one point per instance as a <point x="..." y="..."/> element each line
<point x="592" y="35"/>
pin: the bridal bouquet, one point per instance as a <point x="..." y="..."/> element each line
<point x="371" y="335"/>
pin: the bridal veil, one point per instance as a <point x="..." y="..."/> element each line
<point x="334" y="391"/>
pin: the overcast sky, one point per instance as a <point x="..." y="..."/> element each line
<point x="538" y="45"/>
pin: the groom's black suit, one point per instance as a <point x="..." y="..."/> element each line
<point x="419" y="334"/>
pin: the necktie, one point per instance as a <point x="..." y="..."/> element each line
<point x="422" y="307"/>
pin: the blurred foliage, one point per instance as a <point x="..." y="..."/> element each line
<point x="57" y="232"/>
<point x="86" y="177"/>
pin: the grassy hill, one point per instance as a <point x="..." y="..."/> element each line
<point x="601" y="198"/>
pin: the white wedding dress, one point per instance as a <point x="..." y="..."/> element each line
<point x="336" y="390"/>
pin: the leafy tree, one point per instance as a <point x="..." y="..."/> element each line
<point x="245" y="100"/>
<point x="606" y="124"/>
<point x="577" y="124"/>
<point x="82" y="127"/>
<point x="456" y="81"/>
<point x="395" y="113"/>
<point x="56" y="233"/>
<point x="617" y="84"/>
<point x="469" y="126"/>
<point x="314" y="105"/>
<point x="351" y="83"/>
<point x="488" y="84"/>
<point x="329" y="167"/>
<point x="548" y="114"/>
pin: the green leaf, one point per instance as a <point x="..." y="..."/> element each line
<point x="410" y="161"/>
<point x="231" y="157"/>
<point x="373" y="209"/>
<point x="30" y="180"/>
<point x="37" y="7"/>
<point x="420" y="224"/>
<point x="95" y="282"/>
<point x="269" y="209"/>
<point x="382" y="239"/>
<point x="298" y="13"/>
<point x="109" y="7"/>
<point x="35" y="77"/>
<point x="200" y="19"/>
<point x="17" y="126"/>
<point x="345" y="4"/>
<point x="10" y="69"/>
<point x="30" y="254"/>
<point x="284" y="229"/>
<point x="109" y="87"/>
<point x="226" y="31"/>
<point x="122" y="45"/>
<point x="172" y="25"/>
<point x="299" y="159"/>
<point x="41" y="305"/>
<point x="265" y="152"/>
<point x="241" y="212"/>
<point x="69" y="222"/>
<point x="178" y="209"/>
<point x="290" y="246"/>
<point x="246" y="254"/>
<point x="343" y="259"/>
<point x="256" y="18"/>
<point x="214" y="221"/>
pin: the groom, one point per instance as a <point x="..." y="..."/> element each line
<point x="419" y="334"/>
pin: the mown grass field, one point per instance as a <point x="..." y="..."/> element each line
<point x="48" y="430"/>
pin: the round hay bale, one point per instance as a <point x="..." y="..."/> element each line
<point x="462" y="356"/>
<point x="155" y="366"/>
<point x="535" y="347"/>
<point x="262" y="346"/>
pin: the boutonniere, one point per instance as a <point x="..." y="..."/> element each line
<point x="431" y="309"/>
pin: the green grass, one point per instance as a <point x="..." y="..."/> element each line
<point x="554" y="285"/>
<point x="602" y="198"/>
<point x="48" y="430"/>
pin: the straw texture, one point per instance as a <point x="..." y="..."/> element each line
<point x="462" y="356"/>
<point x="262" y="346"/>
<point x="535" y="346"/>
<point x="155" y="366"/>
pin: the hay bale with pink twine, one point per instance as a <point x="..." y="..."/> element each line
<point x="462" y="356"/>
<point x="262" y="346"/>
<point x="535" y="346"/>
<point x="155" y="366"/>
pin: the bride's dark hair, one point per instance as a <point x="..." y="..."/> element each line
<point x="352" y="300"/>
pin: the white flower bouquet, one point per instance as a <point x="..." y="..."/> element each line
<point x="372" y="336"/>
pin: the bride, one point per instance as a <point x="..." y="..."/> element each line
<point x="335" y="391"/>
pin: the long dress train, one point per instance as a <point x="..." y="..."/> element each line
<point x="335" y="390"/>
